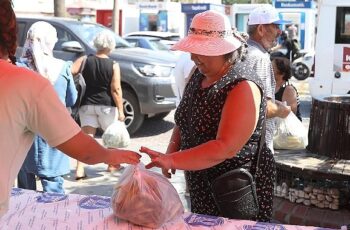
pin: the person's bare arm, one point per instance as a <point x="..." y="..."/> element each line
<point x="174" y="143"/>
<point x="116" y="91"/>
<point x="173" y="146"/>
<point x="238" y="121"/>
<point x="76" y="65"/>
<point x="84" y="148"/>
<point x="276" y="109"/>
<point x="290" y="96"/>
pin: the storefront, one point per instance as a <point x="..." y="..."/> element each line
<point x="192" y="9"/>
<point x="159" y="16"/>
<point x="302" y="13"/>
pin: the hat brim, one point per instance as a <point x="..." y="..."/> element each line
<point x="282" y="22"/>
<point x="207" y="46"/>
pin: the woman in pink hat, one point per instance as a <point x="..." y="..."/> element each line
<point x="220" y="117"/>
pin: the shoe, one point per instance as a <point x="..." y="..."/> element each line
<point x="78" y="178"/>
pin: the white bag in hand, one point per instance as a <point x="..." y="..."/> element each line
<point x="145" y="198"/>
<point x="290" y="133"/>
<point x="116" y="136"/>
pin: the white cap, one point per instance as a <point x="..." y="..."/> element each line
<point x="266" y="14"/>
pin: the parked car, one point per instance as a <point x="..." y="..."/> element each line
<point x="147" y="76"/>
<point x="151" y="43"/>
<point x="167" y="38"/>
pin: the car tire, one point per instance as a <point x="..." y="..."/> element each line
<point x="300" y="71"/>
<point x="133" y="117"/>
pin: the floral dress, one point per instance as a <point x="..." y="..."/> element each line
<point x="198" y="117"/>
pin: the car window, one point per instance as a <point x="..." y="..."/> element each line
<point x="133" y="43"/>
<point x="20" y="33"/>
<point x="62" y="36"/>
<point x="173" y="38"/>
<point x="342" y="26"/>
<point x="158" y="45"/>
<point x="87" y="33"/>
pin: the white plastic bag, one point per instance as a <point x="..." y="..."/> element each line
<point x="145" y="198"/>
<point x="116" y="136"/>
<point x="290" y="133"/>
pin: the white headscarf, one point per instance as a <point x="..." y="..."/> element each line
<point x="38" y="47"/>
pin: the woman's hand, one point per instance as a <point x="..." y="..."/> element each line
<point x="160" y="160"/>
<point x="121" y="116"/>
<point x="119" y="156"/>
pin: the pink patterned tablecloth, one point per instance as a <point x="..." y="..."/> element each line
<point x="33" y="210"/>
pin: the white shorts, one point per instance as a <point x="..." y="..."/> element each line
<point x="97" y="116"/>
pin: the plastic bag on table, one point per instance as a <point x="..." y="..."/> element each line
<point x="290" y="133"/>
<point x="116" y="135"/>
<point x="145" y="198"/>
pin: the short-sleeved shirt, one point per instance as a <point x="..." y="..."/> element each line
<point x="259" y="60"/>
<point x="28" y="106"/>
<point x="183" y="69"/>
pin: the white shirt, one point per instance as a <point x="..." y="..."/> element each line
<point x="28" y="105"/>
<point x="182" y="71"/>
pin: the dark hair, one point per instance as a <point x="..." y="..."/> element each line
<point x="284" y="35"/>
<point x="8" y="28"/>
<point x="283" y="67"/>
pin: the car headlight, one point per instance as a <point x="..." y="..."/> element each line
<point x="153" y="70"/>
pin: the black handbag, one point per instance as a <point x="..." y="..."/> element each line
<point x="234" y="192"/>
<point x="80" y="85"/>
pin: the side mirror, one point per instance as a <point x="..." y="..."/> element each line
<point x="72" y="46"/>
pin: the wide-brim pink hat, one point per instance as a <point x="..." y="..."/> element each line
<point x="210" y="34"/>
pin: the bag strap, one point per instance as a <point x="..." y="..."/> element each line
<point x="82" y="65"/>
<point x="261" y="144"/>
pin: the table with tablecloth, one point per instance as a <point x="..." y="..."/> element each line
<point x="35" y="210"/>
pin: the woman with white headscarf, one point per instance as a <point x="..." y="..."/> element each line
<point x="48" y="163"/>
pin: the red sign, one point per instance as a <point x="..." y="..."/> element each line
<point x="346" y="59"/>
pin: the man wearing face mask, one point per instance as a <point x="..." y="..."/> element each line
<point x="263" y="30"/>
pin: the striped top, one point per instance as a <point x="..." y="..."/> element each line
<point x="259" y="60"/>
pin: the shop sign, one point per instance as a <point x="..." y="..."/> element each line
<point x="293" y="4"/>
<point x="346" y="59"/>
<point x="193" y="8"/>
<point x="151" y="6"/>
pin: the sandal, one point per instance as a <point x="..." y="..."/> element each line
<point x="78" y="178"/>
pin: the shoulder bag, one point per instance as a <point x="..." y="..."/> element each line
<point x="235" y="191"/>
<point x="80" y="85"/>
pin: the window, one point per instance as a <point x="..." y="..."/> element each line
<point x="342" y="32"/>
<point x="20" y="30"/>
<point x="62" y="36"/>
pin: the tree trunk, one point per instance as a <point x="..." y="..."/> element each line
<point x="115" y="19"/>
<point x="59" y="8"/>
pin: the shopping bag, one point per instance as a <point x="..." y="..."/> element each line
<point x="145" y="198"/>
<point x="116" y="135"/>
<point x="290" y="133"/>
